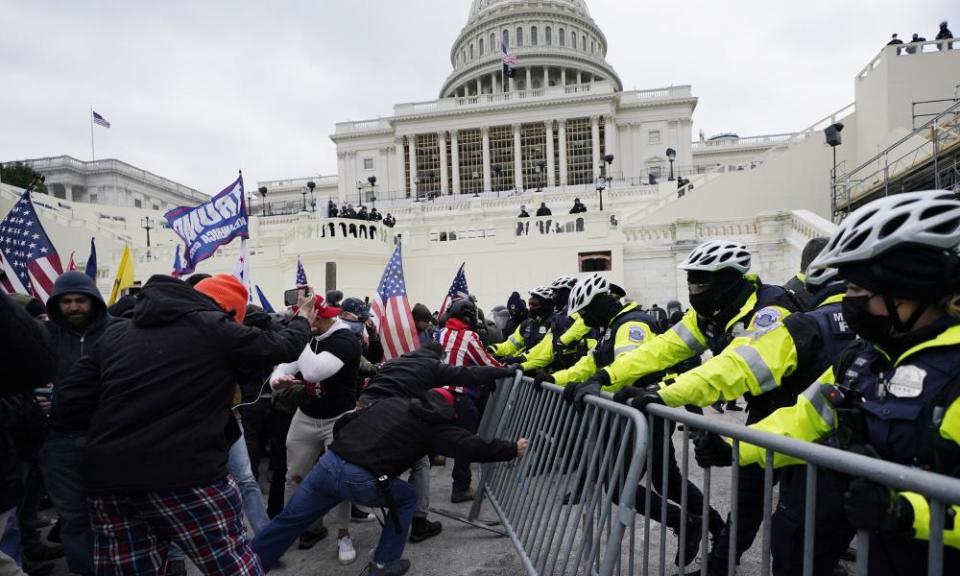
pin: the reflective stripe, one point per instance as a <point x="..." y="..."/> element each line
<point x="688" y="338"/>
<point x="514" y="341"/>
<point x="624" y="349"/>
<point x="759" y="367"/>
<point x="821" y="404"/>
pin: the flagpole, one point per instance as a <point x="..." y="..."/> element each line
<point x="93" y="153"/>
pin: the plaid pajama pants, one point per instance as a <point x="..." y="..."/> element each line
<point x="133" y="533"/>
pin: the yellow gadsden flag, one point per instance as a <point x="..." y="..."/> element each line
<point x="124" y="276"/>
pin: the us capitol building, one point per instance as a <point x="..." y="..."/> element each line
<point x="456" y="170"/>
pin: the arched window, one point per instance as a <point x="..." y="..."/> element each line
<point x="481" y="46"/>
<point x="573" y="40"/>
<point x="593" y="47"/>
<point x="506" y="38"/>
<point x="534" y="40"/>
<point x="519" y="37"/>
<point x="471" y="51"/>
<point x="493" y="43"/>
<point x="563" y="37"/>
<point x="549" y="36"/>
<point x="583" y="42"/>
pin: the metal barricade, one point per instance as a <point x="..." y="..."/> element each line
<point x="941" y="491"/>
<point x="567" y="504"/>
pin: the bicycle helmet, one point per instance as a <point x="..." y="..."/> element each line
<point x="926" y="219"/>
<point x="562" y="282"/>
<point x="585" y="292"/>
<point x="718" y="255"/>
<point x="817" y="277"/>
<point x="542" y="292"/>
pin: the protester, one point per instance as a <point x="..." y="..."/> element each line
<point x="26" y="350"/>
<point x="423" y="321"/>
<point x="327" y="369"/>
<point x="523" y="212"/>
<point x="944" y="34"/>
<point x="389" y="221"/>
<point x="518" y="313"/>
<point x="78" y="319"/>
<point x="159" y="425"/>
<point x="578" y="207"/>
<point x="332" y="211"/>
<point x="916" y="38"/>
<point x="543" y="210"/>
<point x="372" y="447"/>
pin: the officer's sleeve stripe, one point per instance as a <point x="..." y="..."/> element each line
<point x="688" y="338"/>
<point x="761" y="371"/>
<point x="821" y="403"/>
<point x="624" y="349"/>
<point x="514" y="341"/>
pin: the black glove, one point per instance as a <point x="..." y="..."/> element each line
<point x="513" y="369"/>
<point x="540" y="377"/>
<point x="711" y="450"/>
<point x="513" y="360"/>
<point x="640" y="398"/>
<point x="876" y="508"/>
<point x="591" y="387"/>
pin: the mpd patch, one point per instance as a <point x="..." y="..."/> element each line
<point x="637" y="334"/>
<point x="767" y="317"/>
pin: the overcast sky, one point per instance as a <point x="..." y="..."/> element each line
<point x="197" y="89"/>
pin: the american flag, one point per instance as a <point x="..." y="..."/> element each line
<point x="397" y="330"/>
<point x="301" y="275"/>
<point x="241" y="269"/>
<point x="458" y="290"/>
<point x="509" y="59"/>
<point x="99" y="120"/>
<point x="177" y="265"/>
<point x="71" y="264"/>
<point x="27" y="256"/>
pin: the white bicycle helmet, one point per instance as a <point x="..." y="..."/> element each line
<point x="817" y="277"/>
<point x="562" y="282"/>
<point x="542" y="292"/>
<point x="718" y="255"/>
<point x="930" y="218"/>
<point x="584" y="292"/>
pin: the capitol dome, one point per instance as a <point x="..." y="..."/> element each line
<point x="556" y="43"/>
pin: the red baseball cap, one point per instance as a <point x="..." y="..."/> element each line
<point x="324" y="310"/>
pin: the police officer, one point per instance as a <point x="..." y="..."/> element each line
<point x="531" y="330"/>
<point x="771" y="366"/>
<point x="569" y="335"/>
<point x="624" y="329"/>
<point x="893" y="394"/>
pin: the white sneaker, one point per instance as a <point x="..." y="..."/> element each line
<point x="345" y="550"/>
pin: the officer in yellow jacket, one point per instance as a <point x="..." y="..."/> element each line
<point x="531" y="330"/>
<point x="895" y="394"/>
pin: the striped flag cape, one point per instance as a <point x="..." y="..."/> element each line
<point x="27" y="256"/>
<point x="390" y="305"/>
<point x="458" y="290"/>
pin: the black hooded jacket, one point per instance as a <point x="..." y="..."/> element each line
<point x="26" y="350"/>
<point x="415" y="373"/>
<point x="156" y="391"/>
<point x="389" y="436"/>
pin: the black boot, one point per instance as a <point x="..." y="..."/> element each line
<point x="422" y="529"/>
<point x="694" y="535"/>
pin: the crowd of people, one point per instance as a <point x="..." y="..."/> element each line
<point x="348" y="212"/>
<point x="146" y="423"/>
<point x="943" y="34"/>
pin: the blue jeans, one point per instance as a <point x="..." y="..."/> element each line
<point x="10" y="539"/>
<point x="238" y="465"/>
<point x="332" y="481"/>
<point x="61" y="461"/>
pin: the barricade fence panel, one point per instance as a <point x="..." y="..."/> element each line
<point x="592" y="480"/>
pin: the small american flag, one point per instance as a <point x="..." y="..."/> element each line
<point x="27" y="256"/>
<point x="100" y="120"/>
<point x="177" y="265"/>
<point x="301" y="275"/>
<point x="241" y="270"/>
<point x="397" y="330"/>
<point x="458" y="290"/>
<point x="508" y="57"/>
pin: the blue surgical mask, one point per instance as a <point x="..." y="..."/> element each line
<point x="355" y="327"/>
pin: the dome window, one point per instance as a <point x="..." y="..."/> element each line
<point x="548" y="36"/>
<point x="481" y="46"/>
<point x="519" y="37"/>
<point x="563" y="37"/>
<point x="573" y="40"/>
<point x="534" y="40"/>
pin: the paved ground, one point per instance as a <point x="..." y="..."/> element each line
<point x="468" y="551"/>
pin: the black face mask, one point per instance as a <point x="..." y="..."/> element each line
<point x="870" y="327"/>
<point x="714" y="300"/>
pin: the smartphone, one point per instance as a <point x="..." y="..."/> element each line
<point x="292" y="296"/>
<point x="44" y="392"/>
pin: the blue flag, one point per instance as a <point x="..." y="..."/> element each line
<point x="206" y="227"/>
<point x="264" y="303"/>
<point x="91" y="270"/>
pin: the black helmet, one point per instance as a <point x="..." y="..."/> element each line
<point x="464" y="310"/>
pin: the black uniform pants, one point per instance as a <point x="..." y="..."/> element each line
<point x="468" y="418"/>
<point x="749" y="515"/>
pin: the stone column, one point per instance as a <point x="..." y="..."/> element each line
<point x="563" y="151"/>
<point x="517" y="158"/>
<point x="595" y="144"/>
<point x="494" y="83"/>
<point x="479" y="87"/>
<point x="442" y="142"/>
<point x="579" y="77"/>
<point x="563" y="76"/>
<point x="343" y="185"/>
<point x="546" y="77"/>
<point x="455" y="152"/>
<point x="414" y="188"/>
<point x="610" y="139"/>
<point x="551" y="164"/>
<point x="529" y="84"/>
<point x="68" y="194"/>
<point x="485" y="132"/>
<point x="382" y="170"/>
<point x="513" y="84"/>
<point x="398" y="182"/>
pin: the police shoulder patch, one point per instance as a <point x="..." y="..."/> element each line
<point x="767" y="317"/>
<point x="637" y="334"/>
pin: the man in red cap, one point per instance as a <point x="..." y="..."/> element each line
<point x="327" y="369"/>
<point x="154" y="398"/>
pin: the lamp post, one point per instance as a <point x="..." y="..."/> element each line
<point x="672" y="157"/>
<point x="147" y="224"/>
<point x="373" y="189"/>
<point x="263" y="194"/>
<point x="540" y="172"/>
<point x="473" y="184"/>
<point x="303" y="193"/>
<point x="834" y="139"/>
<point x="311" y="185"/>
<point x="498" y="170"/>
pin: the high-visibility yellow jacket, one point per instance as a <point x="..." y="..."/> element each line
<point x="541" y="355"/>
<point x="815" y="417"/>
<point x="627" y="331"/>
<point x="766" y="306"/>
<point x="528" y="334"/>
<point x="784" y="356"/>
